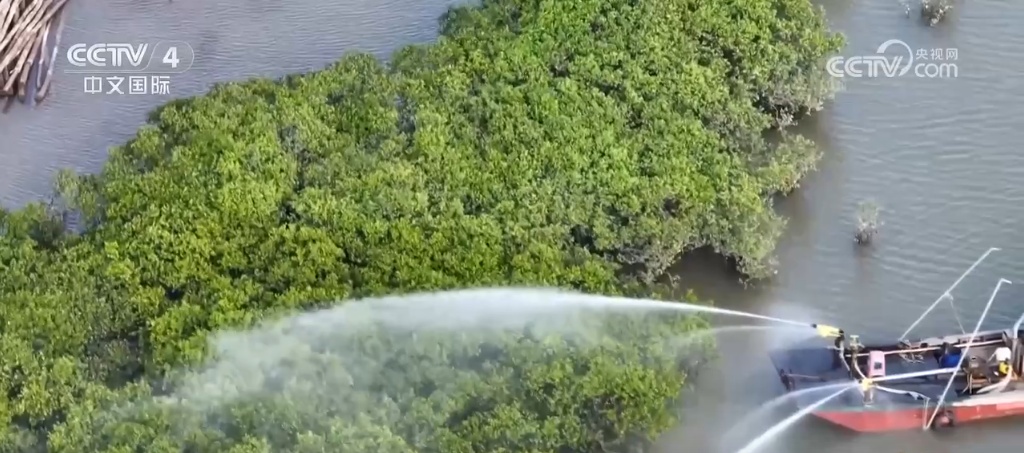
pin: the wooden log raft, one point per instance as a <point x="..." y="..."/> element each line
<point x="26" y="27"/>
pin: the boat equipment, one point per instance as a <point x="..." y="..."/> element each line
<point x="867" y="383"/>
<point x="826" y="331"/>
<point x="977" y="328"/>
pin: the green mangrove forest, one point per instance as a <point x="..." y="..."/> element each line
<point x="580" y="144"/>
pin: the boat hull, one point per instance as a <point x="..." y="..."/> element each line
<point x="868" y="420"/>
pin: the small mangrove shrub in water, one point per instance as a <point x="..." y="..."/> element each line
<point x="934" y="11"/>
<point x="867" y="222"/>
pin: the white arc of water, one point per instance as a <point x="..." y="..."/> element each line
<point x="775" y="403"/>
<point x="789" y="421"/>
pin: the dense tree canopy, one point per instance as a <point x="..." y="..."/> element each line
<point x="575" y="144"/>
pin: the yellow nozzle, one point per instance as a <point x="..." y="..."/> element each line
<point x="828" y="331"/>
<point x="866" y="384"/>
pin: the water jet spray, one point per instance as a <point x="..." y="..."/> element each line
<point x="770" y="434"/>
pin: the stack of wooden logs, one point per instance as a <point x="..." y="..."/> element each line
<point x="26" y="26"/>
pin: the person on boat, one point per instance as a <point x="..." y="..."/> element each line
<point x="949" y="356"/>
<point x="1002" y="356"/>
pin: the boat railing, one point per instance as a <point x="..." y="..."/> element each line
<point x="932" y="348"/>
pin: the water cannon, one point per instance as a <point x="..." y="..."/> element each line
<point x="867" y="388"/>
<point x="828" y="331"/>
<point x="866" y="384"/>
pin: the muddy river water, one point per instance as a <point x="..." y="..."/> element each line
<point x="939" y="155"/>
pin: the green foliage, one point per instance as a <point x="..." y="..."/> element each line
<point x="305" y="384"/>
<point x="544" y="142"/>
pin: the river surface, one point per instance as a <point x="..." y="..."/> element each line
<point x="940" y="156"/>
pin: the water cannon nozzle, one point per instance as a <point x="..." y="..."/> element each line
<point x="866" y="385"/>
<point x="828" y="331"/>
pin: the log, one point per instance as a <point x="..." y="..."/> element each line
<point x="25" y="27"/>
<point x="20" y="25"/>
<point x="45" y="88"/>
<point x="8" y="104"/>
<point x="24" y="55"/>
<point x="32" y="55"/>
<point x="9" y="15"/>
<point x="25" y="32"/>
<point x="42" y="55"/>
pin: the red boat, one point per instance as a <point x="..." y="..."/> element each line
<point x="929" y="383"/>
